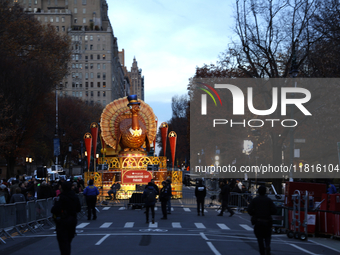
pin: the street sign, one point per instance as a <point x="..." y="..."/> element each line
<point x="299" y="140"/>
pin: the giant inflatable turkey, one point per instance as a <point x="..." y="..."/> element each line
<point x="128" y="123"/>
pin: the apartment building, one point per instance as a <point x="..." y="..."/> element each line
<point x="95" y="73"/>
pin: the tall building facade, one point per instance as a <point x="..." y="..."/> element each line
<point x="95" y="73"/>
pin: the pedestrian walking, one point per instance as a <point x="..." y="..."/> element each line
<point x="261" y="208"/>
<point x="149" y="196"/>
<point x="168" y="182"/>
<point x="64" y="211"/>
<point x="200" y="193"/>
<point x="224" y="196"/>
<point x="91" y="192"/>
<point x="164" y="197"/>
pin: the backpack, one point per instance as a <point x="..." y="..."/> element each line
<point x="150" y="195"/>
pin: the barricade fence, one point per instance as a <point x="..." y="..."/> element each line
<point x="29" y="215"/>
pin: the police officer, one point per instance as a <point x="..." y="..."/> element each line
<point x="261" y="208"/>
<point x="224" y="195"/>
<point x="91" y="192"/>
<point x="200" y="193"/>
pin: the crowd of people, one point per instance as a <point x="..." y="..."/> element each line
<point x="18" y="190"/>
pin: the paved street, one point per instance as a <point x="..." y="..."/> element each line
<point x="123" y="231"/>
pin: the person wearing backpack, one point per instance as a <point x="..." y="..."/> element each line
<point x="149" y="196"/>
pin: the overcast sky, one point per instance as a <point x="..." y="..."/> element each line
<point x="169" y="38"/>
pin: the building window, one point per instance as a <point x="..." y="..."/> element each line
<point x="35" y="1"/>
<point x="86" y="38"/>
<point x="86" y="76"/>
<point x="91" y="56"/>
<point x="104" y="76"/>
<point x="98" y="84"/>
<point x="91" y="47"/>
<point x="98" y="66"/>
<point x="56" y="19"/>
<point x="38" y="18"/>
<point x="73" y="93"/>
<point x="75" y="1"/>
<point x="86" y="57"/>
<point x="45" y="19"/>
<point x="51" y="19"/>
<point x="104" y="84"/>
<point x="86" y="84"/>
<point x="91" y="37"/>
<point x="91" y="75"/>
<point x="75" y="20"/>
<point x="104" y="66"/>
<point x="84" y="10"/>
<point x="86" y="93"/>
<point x="91" y="66"/>
<point x="91" y="84"/>
<point x="104" y="56"/>
<point x="104" y="93"/>
<point x="98" y="56"/>
<point x="80" y="65"/>
<point x="73" y="84"/>
<point x="98" y="75"/>
<point x="104" y="46"/>
<point x="66" y="84"/>
<point x="104" y="102"/>
<point x="63" y="28"/>
<point x="84" y="20"/>
<point x="62" y="19"/>
<point x="80" y="75"/>
<point x="57" y="27"/>
<point x="98" y="46"/>
<point x="91" y="93"/>
<point x="80" y="85"/>
<point x="98" y="94"/>
<point x="85" y="46"/>
<point x="77" y="57"/>
<point x="75" y="10"/>
<point x="84" y="1"/>
<point x="86" y="66"/>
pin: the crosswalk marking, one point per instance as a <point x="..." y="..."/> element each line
<point x="121" y="208"/>
<point x="172" y="209"/>
<point x="129" y="224"/>
<point x="106" y="208"/>
<point x="223" y="226"/>
<point x="246" y="227"/>
<point x="199" y="225"/>
<point x="82" y="225"/>
<point x="106" y="225"/>
<point x="187" y="209"/>
<point x="155" y="225"/>
<point x="176" y="225"/>
<point x="205" y="211"/>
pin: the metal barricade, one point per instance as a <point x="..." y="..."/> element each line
<point x="8" y="218"/>
<point x="239" y="200"/>
<point x="135" y="201"/>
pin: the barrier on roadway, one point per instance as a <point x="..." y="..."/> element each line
<point x="29" y="215"/>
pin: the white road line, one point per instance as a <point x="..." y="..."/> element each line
<point x="222" y="226"/>
<point x="187" y="209"/>
<point x="106" y="208"/>
<point x="213" y="249"/>
<point x="129" y="225"/>
<point x="199" y="225"/>
<point x="106" y="225"/>
<point x="82" y="225"/>
<point x="155" y="225"/>
<point x="246" y="227"/>
<point x="172" y="209"/>
<point x="301" y="249"/>
<point x="205" y="211"/>
<point x="102" y="240"/>
<point x="176" y="225"/>
<point x="324" y="245"/>
<point x="121" y="208"/>
<point x="156" y="208"/>
<point x="204" y="236"/>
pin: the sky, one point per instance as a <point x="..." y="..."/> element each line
<point x="169" y="39"/>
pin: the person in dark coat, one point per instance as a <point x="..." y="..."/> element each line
<point x="149" y="196"/>
<point x="261" y="208"/>
<point x="164" y="196"/>
<point x="224" y="195"/>
<point x="168" y="182"/>
<point x="65" y="211"/>
<point x="91" y="192"/>
<point x="200" y="193"/>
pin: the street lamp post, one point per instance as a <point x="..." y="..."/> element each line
<point x="293" y="73"/>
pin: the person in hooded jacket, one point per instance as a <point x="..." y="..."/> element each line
<point x="149" y="196"/>
<point x="91" y="192"/>
<point x="65" y="210"/>
<point x="200" y="193"/>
